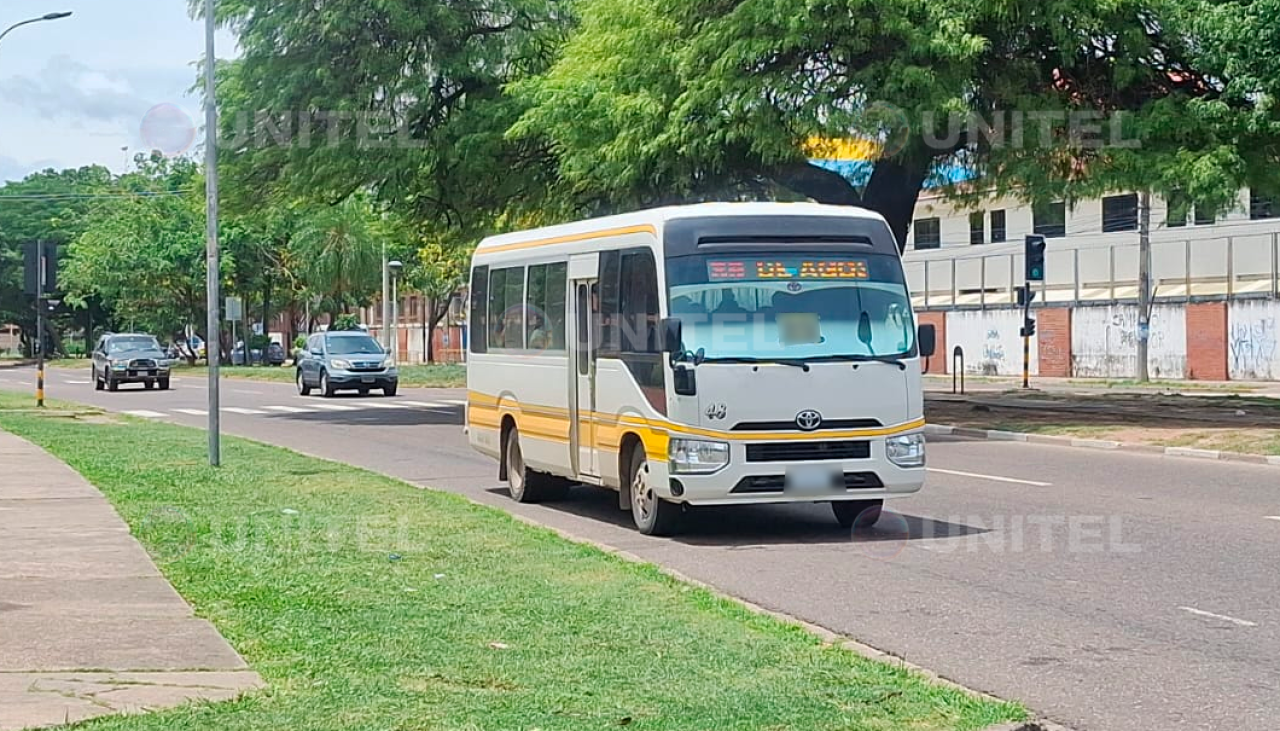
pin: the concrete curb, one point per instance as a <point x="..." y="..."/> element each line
<point x="1184" y="452"/>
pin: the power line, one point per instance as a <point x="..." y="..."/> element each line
<point x="95" y="196"/>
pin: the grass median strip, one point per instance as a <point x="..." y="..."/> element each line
<point x="366" y="603"/>
<point x="411" y="376"/>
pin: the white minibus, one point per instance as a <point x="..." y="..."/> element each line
<point x="711" y="354"/>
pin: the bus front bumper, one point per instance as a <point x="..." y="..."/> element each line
<point x="740" y="481"/>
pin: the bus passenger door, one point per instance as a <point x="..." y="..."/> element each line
<point x="583" y="426"/>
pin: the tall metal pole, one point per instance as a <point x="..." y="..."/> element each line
<point x="213" y="270"/>
<point x="1144" y="282"/>
<point x="386" y="299"/>
<point x="40" y="285"/>
<point x="395" y="317"/>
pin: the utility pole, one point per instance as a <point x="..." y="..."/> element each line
<point x="1144" y="282"/>
<point x="40" y="285"/>
<point x="213" y="273"/>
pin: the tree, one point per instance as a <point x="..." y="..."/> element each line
<point x="338" y="250"/>
<point x="142" y="252"/>
<point x="741" y="88"/>
<point x="53" y="206"/>
<point x="441" y="270"/>
<point x="411" y="93"/>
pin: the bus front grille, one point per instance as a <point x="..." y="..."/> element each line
<point x="807" y="451"/>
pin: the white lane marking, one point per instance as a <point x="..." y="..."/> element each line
<point x="192" y="412"/>
<point x="79" y="383"/>
<point x="380" y="405"/>
<point x="246" y="412"/>
<point x="1272" y="517"/>
<point x="289" y="409"/>
<point x="426" y="404"/>
<point x="995" y="478"/>
<point x="334" y="407"/>
<point x="1223" y="617"/>
<point x="250" y="393"/>
<point x="146" y="414"/>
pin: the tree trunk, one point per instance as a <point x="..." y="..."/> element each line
<point x="893" y="191"/>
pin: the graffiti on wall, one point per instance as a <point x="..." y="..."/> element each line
<point x="1253" y="347"/>
<point x="992" y="353"/>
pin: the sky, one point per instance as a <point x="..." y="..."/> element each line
<point x="76" y="91"/>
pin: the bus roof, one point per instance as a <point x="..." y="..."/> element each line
<point x="656" y="217"/>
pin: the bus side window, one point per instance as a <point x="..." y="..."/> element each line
<point x="479" y="309"/>
<point x="584" y="322"/>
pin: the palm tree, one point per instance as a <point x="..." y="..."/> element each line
<point x="338" y="249"/>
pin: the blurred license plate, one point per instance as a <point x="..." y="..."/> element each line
<point x="811" y="479"/>
<point x="367" y="379"/>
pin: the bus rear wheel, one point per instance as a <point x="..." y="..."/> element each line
<point x="527" y="485"/>
<point x="653" y="515"/>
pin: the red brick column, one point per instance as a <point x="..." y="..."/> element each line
<point x="1207" y="341"/>
<point x="941" y="357"/>
<point x="1053" y="326"/>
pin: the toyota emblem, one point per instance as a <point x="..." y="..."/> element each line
<point x="808" y="420"/>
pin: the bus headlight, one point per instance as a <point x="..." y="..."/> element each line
<point x="905" y="450"/>
<point x="697" y="457"/>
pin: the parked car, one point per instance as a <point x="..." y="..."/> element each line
<point x="129" y="358"/>
<point x="345" y="361"/>
<point x="275" y="354"/>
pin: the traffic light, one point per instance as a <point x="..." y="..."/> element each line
<point x="1035" y="258"/>
<point x="1028" y="328"/>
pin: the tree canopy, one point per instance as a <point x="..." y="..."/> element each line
<point x="740" y="88"/>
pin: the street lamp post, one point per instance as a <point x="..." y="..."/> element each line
<point x="394" y="340"/>
<point x="41" y="19"/>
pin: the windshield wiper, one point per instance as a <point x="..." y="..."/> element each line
<point x="890" y="359"/>
<point x="793" y="362"/>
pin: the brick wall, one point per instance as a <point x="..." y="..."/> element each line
<point x="1207" y="341"/>
<point x="1053" y="326"/>
<point x="941" y="357"/>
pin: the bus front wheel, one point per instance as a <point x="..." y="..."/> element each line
<point x="526" y="485"/>
<point x="652" y="515"/>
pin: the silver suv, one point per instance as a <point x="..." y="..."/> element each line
<point x="129" y="358"/>
<point x="346" y="360"/>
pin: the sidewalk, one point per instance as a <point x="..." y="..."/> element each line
<point x="88" y="626"/>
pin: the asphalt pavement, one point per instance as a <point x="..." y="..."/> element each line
<point x="1105" y="590"/>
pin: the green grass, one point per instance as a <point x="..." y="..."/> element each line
<point x="421" y="376"/>
<point x="366" y="603"/>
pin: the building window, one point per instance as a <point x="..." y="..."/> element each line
<point x="998" y="230"/>
<point x="1262" y="206"/>
<point x="479" y="308"/>
<point x="1049" y="219"/>
<point x="928" y="233"/>
<point x="1120" y="213"/>
<point x="1204" y="216"/>
<point x="977" y="227"/>
<point x="506" y="308"/>
<point x="1179" y="210"/>
<point x="545" y="307"/>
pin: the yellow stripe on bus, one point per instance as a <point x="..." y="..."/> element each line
<point x="569" y="239"/>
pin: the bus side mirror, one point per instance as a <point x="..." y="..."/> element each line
<point x="672" y="335"/>
<point x="928" y="340"/>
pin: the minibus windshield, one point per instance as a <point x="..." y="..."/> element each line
<point x="811" y="307"/>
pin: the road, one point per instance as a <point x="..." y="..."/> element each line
<point x="1105" y="590"/>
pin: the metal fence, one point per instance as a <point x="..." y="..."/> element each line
<point x="1217" y="267"/>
